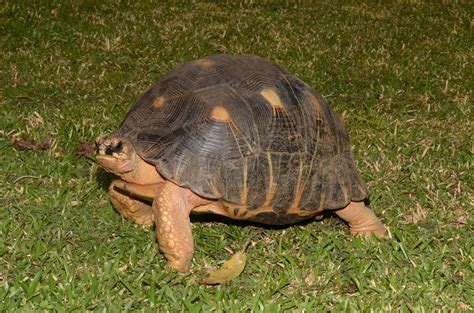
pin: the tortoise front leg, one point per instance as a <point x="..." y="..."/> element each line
<point x="171" y="210"/>
<point x="125" y="201"/>
<point x="362" y="220"/>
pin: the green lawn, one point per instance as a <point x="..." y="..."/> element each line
<point x="399" y="72"/>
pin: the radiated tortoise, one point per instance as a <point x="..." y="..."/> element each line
<point x="236" y="136"/>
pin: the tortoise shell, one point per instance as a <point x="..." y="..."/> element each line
<point x="248" y="133"/>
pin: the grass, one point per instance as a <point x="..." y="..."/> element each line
<point x="400" y="73"/>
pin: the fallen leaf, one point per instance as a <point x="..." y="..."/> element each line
<point x="228" y="271"/>
<point x="85" y="148"/>
<point x="23" y="145"/>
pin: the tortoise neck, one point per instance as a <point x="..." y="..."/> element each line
<point x="143" y="172"/>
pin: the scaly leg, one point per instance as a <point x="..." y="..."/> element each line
<point x="362" y="220"/>
<point x="129" y="207"/>
<point x="171" y="210"/>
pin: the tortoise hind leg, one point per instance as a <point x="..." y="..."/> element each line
<point x="362" y="220"/>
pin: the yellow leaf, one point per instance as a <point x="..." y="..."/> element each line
<point x="228" y="271"/>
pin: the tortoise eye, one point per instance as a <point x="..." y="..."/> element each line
<point x="118" y="147"/>
<point x="111" y="149"/>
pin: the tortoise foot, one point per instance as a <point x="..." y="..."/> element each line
<point x="362" y="220"/>
<point x="182" y="267"/>
<point x="377" y="229"/>
<point x="130" y="208"/>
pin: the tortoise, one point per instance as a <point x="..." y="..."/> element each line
<point x="237" y="136"/>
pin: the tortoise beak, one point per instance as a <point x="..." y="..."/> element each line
<point x="108" y="146"/>
<point x="115" y="155"/>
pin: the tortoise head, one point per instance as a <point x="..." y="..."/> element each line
<point x="115" y="155"/>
